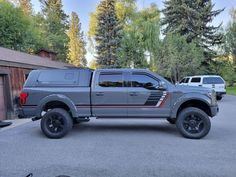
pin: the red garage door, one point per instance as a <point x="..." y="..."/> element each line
<point x="2" y="100"/>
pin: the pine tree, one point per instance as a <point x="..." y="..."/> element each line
<point x="56" y="25"/>
<point x="77" y="51"/>
<point x="108" y="35"/>
<point x="84" y="61"/>
<point x="192" y="19"/>
<point x="230" y="38"/>
<point x="26" y="6"/>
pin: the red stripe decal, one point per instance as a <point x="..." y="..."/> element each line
<point x="117" y="106"/>
<point x="164" y="100"/>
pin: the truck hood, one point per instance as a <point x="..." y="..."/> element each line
<point x="187" y="89"/>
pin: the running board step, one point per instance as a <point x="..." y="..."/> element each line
<point x="79" y="119"/>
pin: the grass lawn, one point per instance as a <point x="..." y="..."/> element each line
<point x="231" y="91"/>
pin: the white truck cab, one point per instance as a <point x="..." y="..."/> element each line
<point x="215" y="82"/>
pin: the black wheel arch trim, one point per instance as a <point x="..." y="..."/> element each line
<point x="188" y="97"/>
<point x="56" y="97"/>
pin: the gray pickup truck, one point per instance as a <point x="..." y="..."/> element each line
<point x="61" y="98"/>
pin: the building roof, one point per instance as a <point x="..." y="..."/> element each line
<point x="10" y="57"/>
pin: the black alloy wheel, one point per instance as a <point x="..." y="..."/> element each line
<point x="56" y="123"/>
<point x="193" y="123"/>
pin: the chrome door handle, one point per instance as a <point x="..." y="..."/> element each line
<point x="133" y="94"/>
<point x="99" y="94"/>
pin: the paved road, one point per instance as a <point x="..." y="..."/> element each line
<point x="131" y="148"/>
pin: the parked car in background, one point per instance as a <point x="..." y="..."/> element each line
<point x="215" y="82"/>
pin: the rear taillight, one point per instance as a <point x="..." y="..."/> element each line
<point x="23" y="97"/>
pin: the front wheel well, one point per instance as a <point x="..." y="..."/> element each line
<point x="197" y="104"/>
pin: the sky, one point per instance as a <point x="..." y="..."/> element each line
<point x="84" y="7"/>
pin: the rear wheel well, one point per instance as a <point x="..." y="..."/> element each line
<point x="197" y="104"/>
<point x="56" y="104"/>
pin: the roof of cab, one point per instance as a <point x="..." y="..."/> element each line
<point x="122" y="69"/>
<point x="63" y="69"/>
<point x="204" y="76"/>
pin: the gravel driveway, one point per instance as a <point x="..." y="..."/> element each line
<point x="129" y="148"/>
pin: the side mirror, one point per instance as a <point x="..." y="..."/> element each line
<point x="162" y="86"/>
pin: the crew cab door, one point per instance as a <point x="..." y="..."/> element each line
<point x="109" y="95"/>
<point x="145" y="99"/>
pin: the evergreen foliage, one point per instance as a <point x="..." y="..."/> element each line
<point x="192" y="19"/>
<point x="26" y="6"/>
<point x="77" y="52"/>
<point x="126" y="36"/>
<point x="228" y="67"/>
<point x="108" y="35"/>
<point x="125" y="11"/>
<point x="56" y="25"/>
<point x="230" y="38"/>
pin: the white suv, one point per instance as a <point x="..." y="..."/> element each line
<point x="210" y="81"/>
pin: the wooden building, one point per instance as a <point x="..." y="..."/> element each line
<point x="14" y="69"/>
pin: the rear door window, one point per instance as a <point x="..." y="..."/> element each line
<point x="213" y="80"/>
<point x="111" y="80"/>
<point x="196" y="80"/>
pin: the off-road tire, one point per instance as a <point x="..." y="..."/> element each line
<point x="63" y="123"/>
<point x="186" y="120"/>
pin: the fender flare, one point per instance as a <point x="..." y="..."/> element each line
<point x="189" y="97"/>
<point x="56" y="97"/>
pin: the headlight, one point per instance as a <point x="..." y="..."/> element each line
<point x="209" y="94"/>
<point x="212" y="95"/>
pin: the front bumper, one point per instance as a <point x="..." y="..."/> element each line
<point x="220" y="93"/>
<point x="214" y="110"/>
